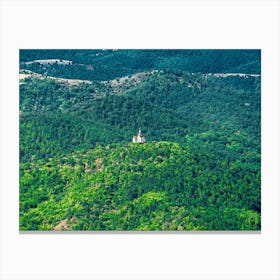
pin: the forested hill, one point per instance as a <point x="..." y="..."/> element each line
<point x="199" y="170"/>
<point x="56" y="118"/>
<point x="110" y="64"/>
<point x="156" y="186"/>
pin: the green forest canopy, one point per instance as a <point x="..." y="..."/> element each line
<point x="199" y="170"/>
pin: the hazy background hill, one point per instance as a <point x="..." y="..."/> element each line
<point x="110" y="64"/>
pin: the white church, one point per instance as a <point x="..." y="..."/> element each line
<point x="139" y="138"/>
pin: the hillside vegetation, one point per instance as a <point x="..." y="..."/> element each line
<point x="111" y="64"/>
<point x="199" y="170"/>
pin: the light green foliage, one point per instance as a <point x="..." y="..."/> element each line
<point x="156" y="186"/>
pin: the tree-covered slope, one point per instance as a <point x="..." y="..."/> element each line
<point x="156" y="186"/>
<point x="110" y="64"/>
<point x="56" y="119"/>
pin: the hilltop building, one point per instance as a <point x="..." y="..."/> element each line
<point x="139" y="138"/>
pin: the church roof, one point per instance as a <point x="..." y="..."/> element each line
<point x="140" y="133"/>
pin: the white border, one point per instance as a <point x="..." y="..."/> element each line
<point x="135" y="24"/>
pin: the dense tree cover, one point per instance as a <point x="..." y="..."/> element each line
<point x="56" y="118"/>
<point x="37" y="95"/>
<point x="199" y="170"/>
<point x="206" y="102"/>
<point x="50" y="135"/>
<point x="109" y="64"/>
<point x="156" y="186"/>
